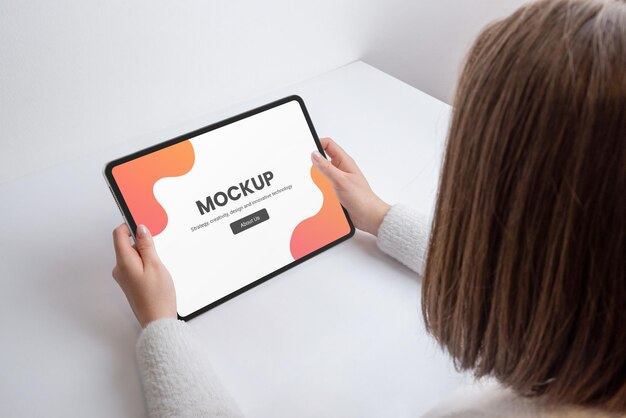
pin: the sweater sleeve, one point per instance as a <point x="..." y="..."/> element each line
<point x="404" y="235"/>
<point x="177" y="379"/>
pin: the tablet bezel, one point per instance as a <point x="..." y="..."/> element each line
<point x="121" y="203"/>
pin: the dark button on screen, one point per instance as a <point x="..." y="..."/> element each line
<point x="249" y="221"/>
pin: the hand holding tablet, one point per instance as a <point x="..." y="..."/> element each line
<point x="147" y="284"/>
<point x="366" y="209"/>
<point x="225" y="209"/>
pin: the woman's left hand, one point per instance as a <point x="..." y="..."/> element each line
<point x="147" y="284"/>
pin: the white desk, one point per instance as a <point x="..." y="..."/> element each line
<point x="340" y="335"/>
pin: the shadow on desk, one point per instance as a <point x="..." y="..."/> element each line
<point x="367" y="243"/>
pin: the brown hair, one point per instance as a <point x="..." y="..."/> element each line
<point x="525" y="275"/>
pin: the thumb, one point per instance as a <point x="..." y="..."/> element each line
<point x="145" y="245"/>
<point x="331" y="172"/>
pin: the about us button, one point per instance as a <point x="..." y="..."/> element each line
<point x="249" y="221"/>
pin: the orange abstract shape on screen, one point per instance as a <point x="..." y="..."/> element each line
<point x="137" y="177"/>
<point x="326" y="226"/>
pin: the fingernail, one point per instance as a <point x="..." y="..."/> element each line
<point x="317" y="157"/>
<point x="142" y="231"/>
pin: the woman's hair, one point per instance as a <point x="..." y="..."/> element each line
<point x="525" y="275"/>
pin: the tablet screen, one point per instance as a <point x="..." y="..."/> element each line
<point x="232" y="204"/>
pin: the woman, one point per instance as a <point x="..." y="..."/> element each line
<point x="524" y="274"/>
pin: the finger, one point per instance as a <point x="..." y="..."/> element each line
<point x="332" y="173"/>
<point x="338" y="156"/>
<point x="145" y="245"/>
<point x="124" y="251"/>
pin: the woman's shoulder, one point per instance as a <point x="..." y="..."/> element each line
<point x="487" y="399"/>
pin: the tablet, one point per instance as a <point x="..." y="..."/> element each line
<point x="232" y="204"/>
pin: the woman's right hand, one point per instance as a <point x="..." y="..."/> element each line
<point x="366" y="209"/>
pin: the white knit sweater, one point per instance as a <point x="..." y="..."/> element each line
<point x="179" y="382"/>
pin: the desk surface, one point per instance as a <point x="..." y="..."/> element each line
<point x="340" y="335"/>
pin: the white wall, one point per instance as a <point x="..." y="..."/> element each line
<point x="424" y="42"/>
<point x="79" y="75"/>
